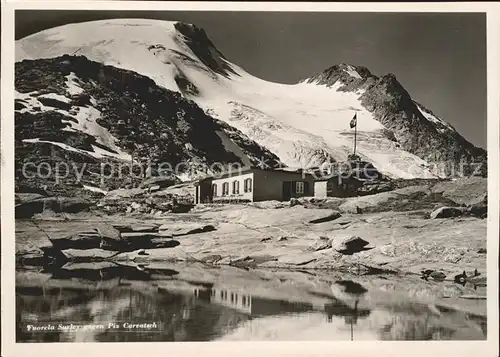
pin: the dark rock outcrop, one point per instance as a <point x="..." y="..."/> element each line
<point x="31" y="207"/>
<point x="447" y="212"/>
<point x="182" y="229"/>
<point x="332" y="216"/>
<point x="352" y="245"/>
<point x="203" y="48"/>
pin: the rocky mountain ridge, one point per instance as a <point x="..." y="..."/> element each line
<point x="414" y="127"/>
<point x="78" y="112"/>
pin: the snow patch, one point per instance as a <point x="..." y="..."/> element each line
<point x="86" y="121"/>
<point x="441" y="124"/>
<point x="98" y="153"/>
<point x="95" y="189"/>
<point x="350" y="70"/>
<point x="184" y="177"/>
<point x="30" y="102"/>
<point x="55" y="96"/>
<point x="73" y="85"/>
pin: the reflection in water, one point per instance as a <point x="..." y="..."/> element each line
<point x="192" y="311"/>
<point x="350" y="315"/>
<point x="352" y="287"/>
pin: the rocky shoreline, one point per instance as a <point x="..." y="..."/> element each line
<point x="409" y="230"/>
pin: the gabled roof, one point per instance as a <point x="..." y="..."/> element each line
<point x="247" y="169"/>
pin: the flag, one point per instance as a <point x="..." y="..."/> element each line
<point x="354" y="121"/>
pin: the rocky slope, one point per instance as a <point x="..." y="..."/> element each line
<point x="305" y="125"/>
<point x="85" y="116"/>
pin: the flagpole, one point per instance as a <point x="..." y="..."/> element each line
<point x="355" y="133"/>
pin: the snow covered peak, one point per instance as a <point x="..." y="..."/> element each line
<point x="161" y="50"/>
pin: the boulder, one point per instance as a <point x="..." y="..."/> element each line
<point x="447" y="212"/>
<point x="27" y="187"/>
<point x="388" y="250"/>
<point x="111" y="238"/>
<point x="297" y="259"/>
<point x="135" y="206"/>
<point x="56" y="204"/>
<point x="294" y="202"/>
<point x="147" y="240"/>
<point x="352" y="245"/>
<point x="321" y="244"/>
<point x="352" y="205"/>
<point x="373" y="188"/>
<point x="332" y="216"/>
<point x="406" y="198"/>
<point x="181" y="208"/>
<point x="134" y="236"/>
<point x="35" y="257"/>
<point x="479" y="210"/>
<point x="120" y="245"/>
<point x="464" y="191"/>
<point x="68" y="204"/>
<point x="49" y="215"/>
<point x="184" y="228"/>
<point x="88" y="255"/>
<point x="164" y="243"/>
<point x="269" y="204"/>
<point x="81" y="240"/>
<point x="26" y="197"/>
<point x="122" y="193"/>
<point x="164" y="206"/>
<point x="107" y="230"/>
<point x="211" y="258"/>
<point x="136" y="227"/>
<point x="223" y="261"/>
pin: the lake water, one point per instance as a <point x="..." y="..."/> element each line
<point x="194" y="303"/>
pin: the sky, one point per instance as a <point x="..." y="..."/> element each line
<point x="440" y="58"/>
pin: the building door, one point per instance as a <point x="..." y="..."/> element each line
<point x="287" y="190"/>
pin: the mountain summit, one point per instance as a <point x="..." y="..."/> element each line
<point x="305" y="124"/>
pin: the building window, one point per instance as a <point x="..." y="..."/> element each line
<point x="225" y="188"/>
<point x="214" y="189"/>
<point x="248" y="185"/>
<point x="236" y="187"/>
<point x="299" y="187"/>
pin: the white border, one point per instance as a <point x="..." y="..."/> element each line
<point x="476" y="348"/>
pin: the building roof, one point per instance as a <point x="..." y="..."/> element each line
<point x="247" y="169"/>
